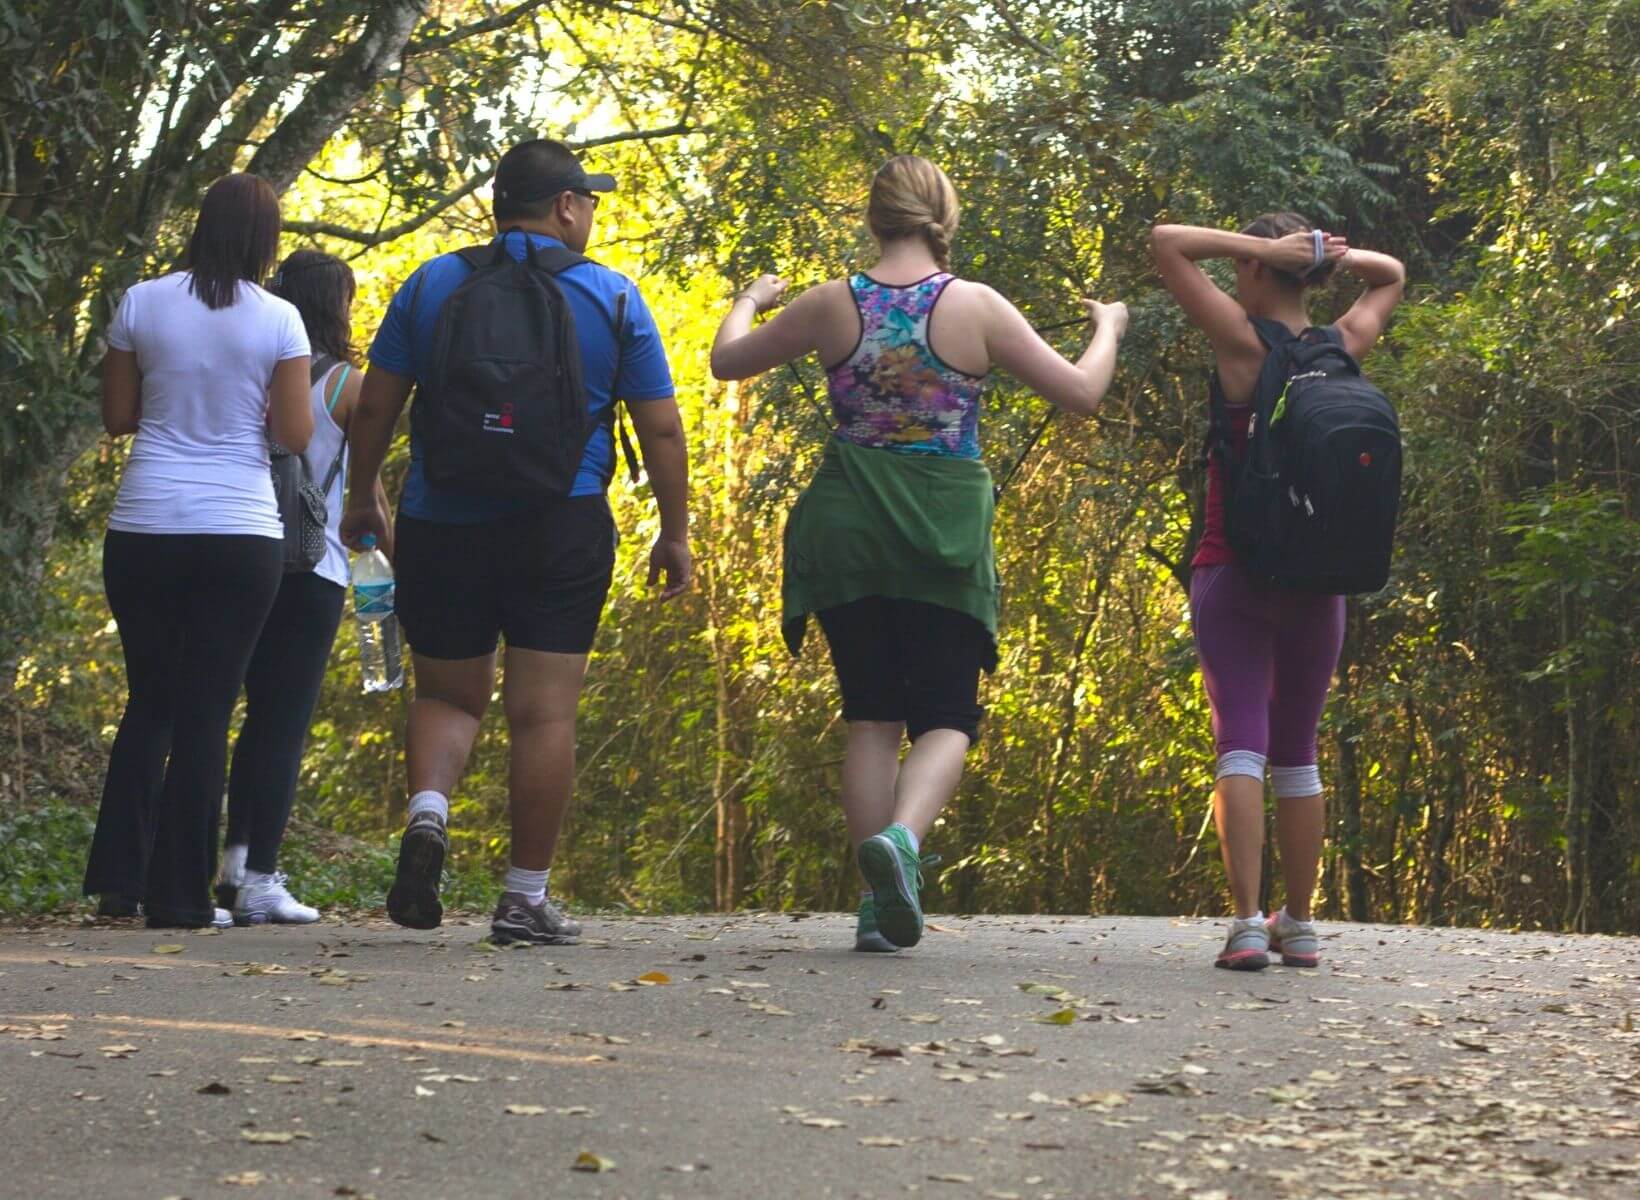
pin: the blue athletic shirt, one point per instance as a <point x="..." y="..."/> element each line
<point x="403" y="345"/>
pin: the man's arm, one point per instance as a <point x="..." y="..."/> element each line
<point x="666" y="461"/>
<point x="381" y="399"/>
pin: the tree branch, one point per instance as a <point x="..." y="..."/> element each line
<point x="461" y="33"/>
<point x="377" y="237"/>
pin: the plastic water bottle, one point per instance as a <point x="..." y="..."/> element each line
<point x="380" y="660"/>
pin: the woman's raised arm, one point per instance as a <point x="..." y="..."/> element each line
<point x="1077" y="387"/>
<point x="741" y="351"/>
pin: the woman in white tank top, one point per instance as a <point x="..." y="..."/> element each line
<point x="287" y="668"/>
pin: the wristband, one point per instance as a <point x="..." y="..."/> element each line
<point x="1318" y="241"/>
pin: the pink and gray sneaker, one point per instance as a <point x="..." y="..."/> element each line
<point x="1295" y="941"/>
<point x="1247" y="948"/>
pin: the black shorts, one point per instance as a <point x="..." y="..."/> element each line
<point x="538" y="578"/>
<point x="904" y="660"/>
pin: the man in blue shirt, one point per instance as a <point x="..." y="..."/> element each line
<point x="473" y="568"/>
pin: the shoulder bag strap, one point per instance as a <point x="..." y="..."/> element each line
<point x="615" y="417"/>
<point x="341" y="451"/>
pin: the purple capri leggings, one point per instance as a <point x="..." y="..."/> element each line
<point x="1267" y="656"/>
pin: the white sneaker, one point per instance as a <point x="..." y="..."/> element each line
<point x="266" y="901"/>
<point x="221" y="918"/>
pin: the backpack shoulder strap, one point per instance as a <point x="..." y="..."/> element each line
<point x="558" y="259"/>
<point x="318" y="365"/>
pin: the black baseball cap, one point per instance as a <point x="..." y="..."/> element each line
<point x="541" y="168"/>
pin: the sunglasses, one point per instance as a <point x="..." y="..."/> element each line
<point x="592" y="196"/>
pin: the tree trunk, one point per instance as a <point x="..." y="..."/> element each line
<point x="303" y="133"/>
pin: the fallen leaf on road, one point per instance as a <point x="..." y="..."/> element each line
<point x="214" y="1089"/>
<point x="268" y="1137"/>
<point x="922" y="1018"/>
<point x="120" y="1051"/>
<point x="1167" y="1085"/>
<point x="653" y="979"/>
<point x="304" y="1035"/>
<point x="824" y="1122"/>
<point x="284" y="1079"/>
<point x="575" y="1110"/>
<point x="952" y="1177"/>
<point x="244" y="1178"/>
<point x="525" y="1110"/>
<point x="422" y="1091"/>
<point x="257" y="1059"/>
<point x="588" y="1161"/>
<point x="562" y="987"/>
<point x="1042" y="989"/>
<point x="1103" y="1100"/>
<point x="166" y="948"/>
<point x="1065" y="1016"/>
<point x="881" y="1142"/>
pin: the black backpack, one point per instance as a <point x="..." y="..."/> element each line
<point x="301" y="502"/>
<point x="503" y="411"/>
<point x="1312" y="503"/>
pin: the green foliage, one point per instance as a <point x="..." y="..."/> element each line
<point x="1483" y="730"/>
<point x="45" y="857"/>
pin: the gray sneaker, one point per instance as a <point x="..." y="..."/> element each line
<point x="517" y="920"/>
<point x="1247" y="948"/>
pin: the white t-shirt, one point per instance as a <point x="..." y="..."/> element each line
<point x="200" y="460"/>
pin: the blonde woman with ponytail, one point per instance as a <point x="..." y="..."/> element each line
<point x="890" y="544"/>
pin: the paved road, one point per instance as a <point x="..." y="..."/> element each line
<point x="361" y="1060"/>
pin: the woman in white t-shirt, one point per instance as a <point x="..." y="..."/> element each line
<point x="287" y="668"/>
<point x="202" y="365"/>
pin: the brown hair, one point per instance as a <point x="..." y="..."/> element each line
<point x="911" y="197"/>
<point x="236" y="237"/>
<point x="321" y="287"/>
<point x="1279" y="225"/>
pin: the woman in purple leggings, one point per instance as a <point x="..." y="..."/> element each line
<point x="1267" y="654"/>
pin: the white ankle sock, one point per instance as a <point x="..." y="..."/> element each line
<point x="1258" y="915"/>
<point x="532" y="885"/>
<point x="909" y="836"/>
<point x="233" y="864"/>
<point x="252" y="878"/>
<point x="430" y="802"/>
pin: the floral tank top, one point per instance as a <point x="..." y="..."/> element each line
<point x="893" y="392"/>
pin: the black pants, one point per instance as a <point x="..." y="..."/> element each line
<point x="189" y="608"/>
<point x="904" y="660"/>
<point x="281" y="691"/>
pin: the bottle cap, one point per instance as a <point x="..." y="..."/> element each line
<point x="368" y="541"/>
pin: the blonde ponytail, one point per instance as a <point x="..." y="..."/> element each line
<point x="911" y="197"/>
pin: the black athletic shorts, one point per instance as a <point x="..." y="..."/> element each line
<point x="904" y="660"/>
<point x="538" y="578"/>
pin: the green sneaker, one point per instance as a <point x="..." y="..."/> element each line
<point x="894" y="872"/>
<point x="867" y="937"/>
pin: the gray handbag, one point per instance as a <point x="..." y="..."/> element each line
<point x="301" y="502"/>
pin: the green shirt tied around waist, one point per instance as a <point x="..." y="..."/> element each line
<point x="906" y="526"/>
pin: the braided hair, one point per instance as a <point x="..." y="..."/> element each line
<point x="911" y="197"/>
